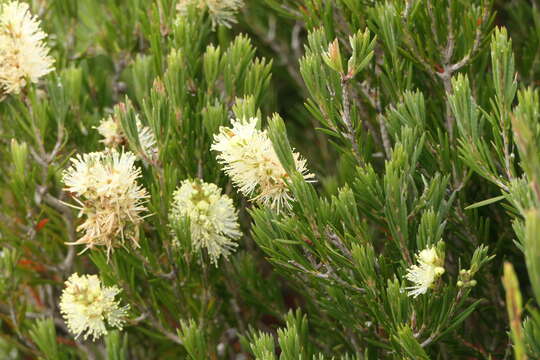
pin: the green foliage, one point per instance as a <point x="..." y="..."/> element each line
<point x="43" y="334"/>
<point x="193" y="340"/>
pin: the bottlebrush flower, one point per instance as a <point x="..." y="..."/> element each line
<point x="250" y="160"/>
<point x="429" y="269"/>
<point x="86" y="305"/>
<point x="221" y="12"/>
<point x="114" y="136"/>
<point x="213" y="218"/>
<point x="111" y="131"/>
<point x="105" y="186"/>
<point x="23" y="54"/>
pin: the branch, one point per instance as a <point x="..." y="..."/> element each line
<point x="476" y="45"/>
<point x="335" y="239"/>
<point x="169" y="335"/>
<point x="449" y="69"/>
<point x="67" y="215"/>
<point x="351" y="134"/>
<point x="328" y="275"/>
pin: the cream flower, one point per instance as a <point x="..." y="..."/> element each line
<point x="222" y="12"/>
<point x="429" y="269"/>
<point x="105" y="186"/>
<point x="213" y="218"/>
<point x="114" y="136"/>
<point x="86" y="305"/>
<point x="250" y="160"/>
<point x="111" y="131"/>
<point x="23" y="54"/>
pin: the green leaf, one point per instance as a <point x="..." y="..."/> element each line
<point x="486" y="202"/>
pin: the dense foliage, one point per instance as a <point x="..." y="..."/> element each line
<point x="270" y="179"/>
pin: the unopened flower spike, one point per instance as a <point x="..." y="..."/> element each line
<point x="24" y="56"/>
<point x="87" y="306"/>
<point x="105" y="186"/>
<point x="249" y="158"/>
<point x="426" y="273"/>
<point x="212" y="216"/>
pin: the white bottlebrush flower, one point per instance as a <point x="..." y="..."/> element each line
<point x="111" y="131"/>
<point x="114" y="136"/>
<point x="429" y="269"/>
<point x="222" y="12"/>
<point x="86" y="305"/>
<point x="23" y="54"/>
<point x="213" y="218"/>
<point x="105" y="186"/>
<point x="250" y="160"/>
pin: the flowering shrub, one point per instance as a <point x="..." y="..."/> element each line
<point x="292" y="179"/>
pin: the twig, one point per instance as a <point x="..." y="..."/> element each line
<point x="328" y="275"/>
<point x="414" y="51"/>
<point x="449" y="69"/>
<point x="346" y="115"/>
<point x="375" y="103"/>
<point x="476" y="45"/>
<point x="57" y="322"/>
<point x="384" y="136"/>
<point x="169" y="335"/>
<point x="334" y="239"/>
<point x="288" y="59"/>
<point x="474" y="347"/>
<point x="435" y="333"/>
<point x="67" y="215"/>
<point x="450" y="42"/>
<point x="429" y="340"/>
<point x="431" y="13"/>
<point x="139" y="318"/>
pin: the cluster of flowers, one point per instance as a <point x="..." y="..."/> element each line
<point x="249" y="158"/>
<point x="425" y="275"/>
<point x="23" y="54"/>
<point x="105" y="187"/>
<point x="104" y="184"/>
<point x="212" y="217"/>
<point x="86" y="305"/>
